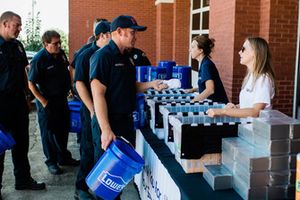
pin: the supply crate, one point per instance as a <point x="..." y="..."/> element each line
<point x="183" y="109"/>
<point x="196" y="135"/>
<point x="153" y="114"/>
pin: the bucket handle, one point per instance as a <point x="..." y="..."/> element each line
<point x="124" y="140"/>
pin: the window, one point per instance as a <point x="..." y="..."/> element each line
<point x="199" y="24"/>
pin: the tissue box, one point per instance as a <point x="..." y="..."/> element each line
<point x="253" y="159"/>
<point x="251" y="179"/>
<point x="245" y="132"/>
<point x="271" y="129"/>
<point x="218" y="177"/>
<point x="248" y="193"/>
<point x="195" y="136"/>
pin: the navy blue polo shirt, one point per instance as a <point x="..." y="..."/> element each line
<point x="50" y="73"/>
<point x="208" y="71"/>
<point x="139" y="57"/>
<point x="117" y="73"/>
<point x="83" y="66"/>
<point x="13" y="61"/>
<point x="77" y="53"/>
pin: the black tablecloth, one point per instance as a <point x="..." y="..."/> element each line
<point x="191" y="186"/>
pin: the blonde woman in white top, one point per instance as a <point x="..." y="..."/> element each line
<point x="258" y="87"/>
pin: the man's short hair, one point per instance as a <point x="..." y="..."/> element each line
<point x="8" y="15"/>
<point x="48" y="35"/>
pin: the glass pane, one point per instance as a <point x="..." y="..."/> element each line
<point x="205" y="3"/>
<point x="205" y="20"/>
<point x="196" y="21"/>
<point x="196" y="4"/>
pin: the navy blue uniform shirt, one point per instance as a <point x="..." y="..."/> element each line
<point x="13" y="61"/>
<point x="117" y="73"/>
<point x="208" y="71"/>
<point x="77" y="53"/>
<point x="139" y="57"/>
<point x="50" y="73"/>
<point x="83" y="66"/>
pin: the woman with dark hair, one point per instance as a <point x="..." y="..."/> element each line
<point x="209" y="83"/>
<point x="258" y="87"/>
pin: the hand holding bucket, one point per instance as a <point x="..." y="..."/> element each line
<point x="114" y="170"/>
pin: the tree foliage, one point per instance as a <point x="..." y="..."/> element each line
<point x="32" y="41"/>
<point x="64" y="41"/>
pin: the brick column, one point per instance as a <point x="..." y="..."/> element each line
<point x="181" y="32"/>
<point x="164" y="30"/>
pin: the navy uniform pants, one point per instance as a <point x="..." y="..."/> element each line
<point x="54" y="125"/>
<point x="14" y="118"/>
<point x="122" y="125"/>
<point x="86" y="149"/>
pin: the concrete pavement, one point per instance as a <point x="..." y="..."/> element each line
<point x="58" y="187"/>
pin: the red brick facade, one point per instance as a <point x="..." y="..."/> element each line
<point x="230" y="22"/>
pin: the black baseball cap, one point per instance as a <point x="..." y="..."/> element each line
<point x="126" y="21"/>
<point x="102" y="27"/>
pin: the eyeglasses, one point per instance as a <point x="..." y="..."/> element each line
<point x="243" y="49"/>
<point x="56" y="43"/>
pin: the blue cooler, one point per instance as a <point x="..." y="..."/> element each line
<point x="75" y="121"/>
<point x="184" y="74"/>
<point x="169" y="68"/>
<point x="114" y="170"/>
<point x="142" y="73"/>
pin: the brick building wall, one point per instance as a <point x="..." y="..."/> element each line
<point x="164" y="32"/>
<point x="230" y="22"/>
<point x="83" y="12"/>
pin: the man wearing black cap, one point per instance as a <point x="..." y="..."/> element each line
<point x="102" y="37"/>
<point x="113" y="83"/>
<point x="89" y="43"/>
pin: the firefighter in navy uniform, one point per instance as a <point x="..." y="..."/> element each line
<point x="113" y="83"/>
<point x="102" y="37"/>
<point x="13" y="106"/>
<point x="49" y="81"/>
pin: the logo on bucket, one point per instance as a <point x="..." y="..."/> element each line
<point x="112" y="182"/>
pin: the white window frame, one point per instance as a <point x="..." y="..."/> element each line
<point x="201" y="31"/>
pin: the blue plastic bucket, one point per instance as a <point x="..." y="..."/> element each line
<point x="6" y="141"/>
<point x="139" y="113"/>
<point x="169" y="68"/>
<point x="184" y="74"/>
<point x="142" y="73"/>
<point x="113" y="171"/>
<point x="75" y="121"/>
